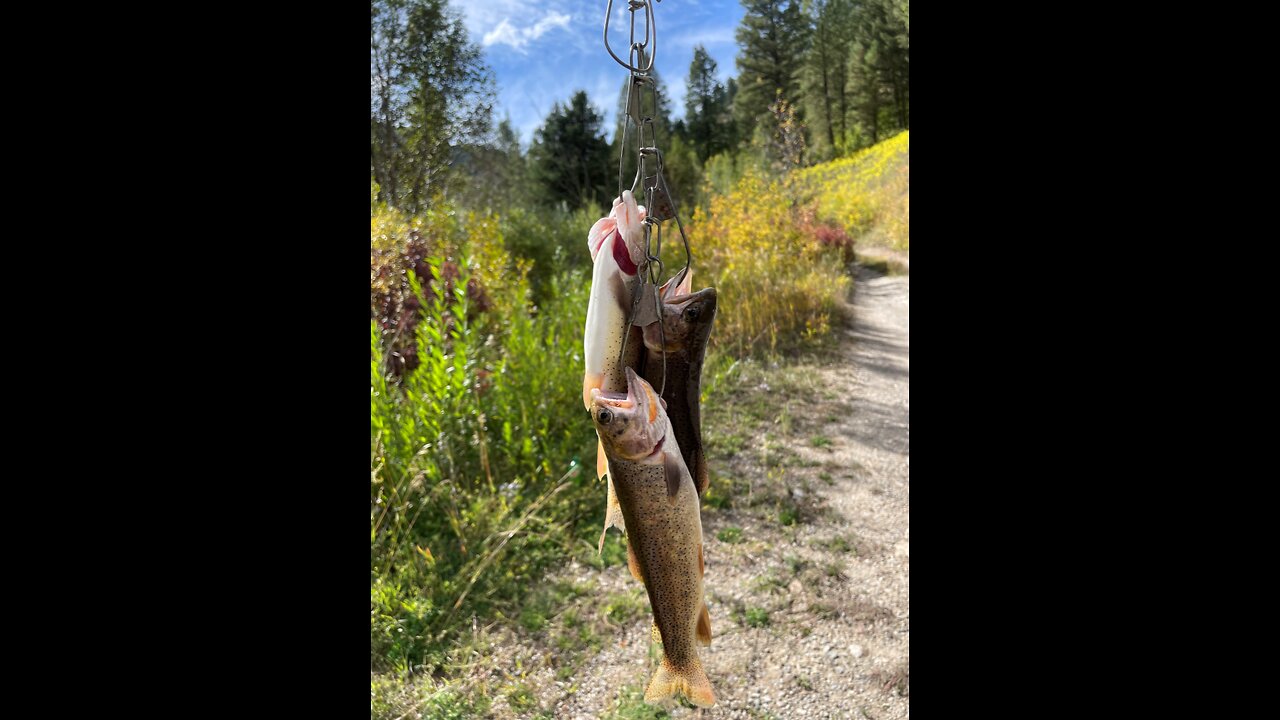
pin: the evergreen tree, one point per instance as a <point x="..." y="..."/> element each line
<point x="569" y="159"/>
<point x="772" y="40"/>
<point x="879" y="70"/>
<point x="825" y="76"/>
<point x="430" y="92"/>
<point x="708" y="124"/>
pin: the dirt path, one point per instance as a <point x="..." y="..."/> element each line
<point x="807" y="568"/>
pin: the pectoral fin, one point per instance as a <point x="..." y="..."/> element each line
<point x="673" y="468"/>
<point x="612" y="516"/>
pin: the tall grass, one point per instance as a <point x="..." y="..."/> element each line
<point x="778" y="283"/>
<point x="476" y="453"/>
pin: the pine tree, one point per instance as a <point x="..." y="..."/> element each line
<point x="772" y="41"/>
<point x="825" y="76"/>
<point x="879" y="70"/>
<point x="708" y="124"/>
<point x="569" y="159"/>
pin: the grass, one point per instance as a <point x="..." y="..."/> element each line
<point x="477" y="440"/>
<point x="625" y="607"/>
<point x="820" y="441"/>
<point x="630" y="705"/>
<point x="836" y="544"/>
<point x="731" y="535"/>
<point x="756" y="617"/>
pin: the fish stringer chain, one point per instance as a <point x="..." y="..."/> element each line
<point x="659" y="202"/>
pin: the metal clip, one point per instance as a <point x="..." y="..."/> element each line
<point x="660" y="208"/>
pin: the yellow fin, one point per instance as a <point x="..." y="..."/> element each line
<point x="655" y="634"/>
<point x="668" y="682"/>
<point x="634" y="563"/>
<point x="704" y="626"/>
<point x="612" y="517"/>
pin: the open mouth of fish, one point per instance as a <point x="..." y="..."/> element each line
<point x="616" y="399"/>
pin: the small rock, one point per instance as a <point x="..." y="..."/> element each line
<point x="855" y="650"/>
<point x="795" y="587"/>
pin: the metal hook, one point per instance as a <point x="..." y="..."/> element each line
<point x="650" y="33"/>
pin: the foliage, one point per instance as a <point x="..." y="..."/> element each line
<point x="430" y="91"/>
<point x="772" y="40"/>
<point x="570" y="158"/>
<point x="866" y="191"/>
<point x="708" y="120"/>
<point x="476" y="453"/>
<point x="777" y="284"/>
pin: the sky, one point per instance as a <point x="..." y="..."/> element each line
<point x="542" y="52"/>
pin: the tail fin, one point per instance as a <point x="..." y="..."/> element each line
<point x="691" y="682"/>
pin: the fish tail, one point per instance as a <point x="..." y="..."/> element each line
<point x="669" y="682"/>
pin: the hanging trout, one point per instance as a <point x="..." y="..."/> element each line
<point x="686" y="326"/>
<point x="664" y="532"/>
<point x="617" y="249"/>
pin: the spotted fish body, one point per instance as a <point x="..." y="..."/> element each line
<point x="617" y="245"/>
<point x="686" y="327"/>
<point x="664" y="532"/>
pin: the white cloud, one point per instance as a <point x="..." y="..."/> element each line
<point x="507" y="34"/>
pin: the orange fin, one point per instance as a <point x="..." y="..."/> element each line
<point x="589" y="381"/>
<point x="602" y="461"/>
<point x="669" y="682"/>
<point x="704" y="626"/>
<point x="612" y="517"/>
<point x="634" y="563"/>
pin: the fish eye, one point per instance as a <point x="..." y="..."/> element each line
<point x="692" y="312"/>
<point x="604" y="416"/>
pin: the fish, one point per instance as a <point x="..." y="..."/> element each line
<point x="664" y="532"/>
<point x="617" y="249"/>
<point x="686" y="326"/>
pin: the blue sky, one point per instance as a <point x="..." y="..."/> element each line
<point x="541" y="52"/>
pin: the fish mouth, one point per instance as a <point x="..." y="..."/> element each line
<point x="685" y="299"/>
<point x="613" y="399"/>
<point x="642" y="394"/>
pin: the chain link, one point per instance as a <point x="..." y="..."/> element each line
<point x="659" y="203"/>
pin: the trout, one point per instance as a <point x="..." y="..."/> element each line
<point x="664" y="532"/>
<point x="617" y="249"/>
<point x="686" y="326"/>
